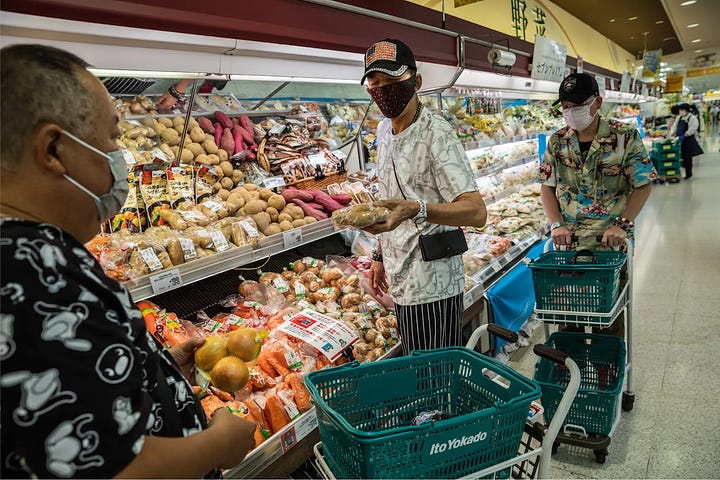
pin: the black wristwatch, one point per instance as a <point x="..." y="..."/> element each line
<point x="377" y="256"/>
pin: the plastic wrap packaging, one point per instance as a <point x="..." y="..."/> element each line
<point x="360" y="216"/>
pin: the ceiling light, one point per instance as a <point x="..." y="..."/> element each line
<point x="689" y="2"/>
<point x="668" y="38"/>
<point x="632" y="18"/>
<point x="612" y="20"/>
<point x="698" y="51"/>
<point x="693" y="25"/>
<point x="632" y="38"/>
<point x="697" y="40"/>
<point x="660" y="21"/>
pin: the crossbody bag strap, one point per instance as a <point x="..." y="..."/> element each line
<point x="397" y="180"/>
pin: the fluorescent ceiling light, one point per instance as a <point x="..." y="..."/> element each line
<point x="697" y="40"/>
<point x="632" y="18"/>
<point x="693" y="25"/>
<point x="103" y="72"/>
<point x="612" y="20"/>
<point x="698" y="51"/>
<point x="660" y="21"/>
<point x="689" y="2"/>
<point x="269" y="78"/>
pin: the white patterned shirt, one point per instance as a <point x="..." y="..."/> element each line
<point x="432" y="166"/>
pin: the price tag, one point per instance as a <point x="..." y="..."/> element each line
<point x="233" y="319"/>
<point x="495" y="265"/>
<point x="188" y="248"/>
<point x="317" y="159"/>
<point x="339" y="154"/>
<point x="292" y="411"/>
<point x="165" y="281"/>
<point x="213" y="206"/>
<point x="281" y="285"/>
<point x="467" y="301"/>
<point x="292" y="238"/>
<point x="249" y="229"/>
<point x="300" y="290"/>
<point x="508" y="257"/>
<point x="306" y="425"/>
<point x="277" y="129"/>
<point x="293" y="360"/>
<point x="274" y="182"/>
<point x="128" y="156"/>
<point x="159" y="154"/>
<point x="151" y="259"/>
<point x="219" y="241"/>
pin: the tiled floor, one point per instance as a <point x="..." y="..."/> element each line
<point x="674" y="429"/>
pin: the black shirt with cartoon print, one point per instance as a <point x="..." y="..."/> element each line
<point x="82" y="381"/>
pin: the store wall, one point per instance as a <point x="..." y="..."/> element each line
<point x="559" y="26"/>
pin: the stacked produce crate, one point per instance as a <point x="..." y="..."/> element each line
<point x="667" y="160"/>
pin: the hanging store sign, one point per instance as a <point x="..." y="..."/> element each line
<point x="601" y="83"/>
<point x="674" y="84"/>
<point x="548" y="62"/>
<point x="625" y="82"/>
<point x="651" y="63"/>
<point x="701" y="72"/>
<point x="462" y="3"/>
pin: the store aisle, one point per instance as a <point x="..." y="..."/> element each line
<point x="674" y="429"/>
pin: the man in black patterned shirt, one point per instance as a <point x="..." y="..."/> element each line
<point x="86" y="392"/>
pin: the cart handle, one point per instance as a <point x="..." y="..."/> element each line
<point x="496" y="330"/>
<point x="551" y="354"/>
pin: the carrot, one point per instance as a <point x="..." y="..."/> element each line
<point x="300" y="392"/>
<point x="275" y="414"/>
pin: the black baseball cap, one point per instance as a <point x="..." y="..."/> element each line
<point x="577" y="87"/>
<point x="388" y="56"/>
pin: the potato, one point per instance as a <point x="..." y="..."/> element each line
<point x="180" y="129"/>
<point x="187" y="140"/>
<point x="296" y="212"/>
<point x="195" y="148"/>
<point x="216" y="187"/>
<point x="218" y="171"/>
<point x="284" y="217"/>
<point x="298" y="223"/>
<point x="149" y="122"/>
<point x="226" y="183"/>
<point x="262" y="220"/>
<point x="161" y="128"/>
<point x="266" y="193"/>
<point x="186" y="156"/>
<point x="170" y="136"/>
<point x="178" y="121"/>
<point x="166" y="122"/>
<point x="245" y="194"/>
<point x="204" y="159"/>
<point x="237" y="176"/>
<point x="225" y="194"/>
<point x="276" y="201"/>
<point x="272" y="229"/>
<point x="223" y="155"/>
<point x="284" y="226"/>
<point x="175" y="150"/>
<point x="192" y="124"/>
<point x="236" y="199"/>
<point x="197" y="135"/>
<point x="210" y="137"/>
<point x="167" y="151"/>
<point x="227" y="169"/>
<point x="214" y="159"/>
<point x="209" y="145"/>
<point x="273" y="213"/>
<point x="255" y="206"/>
<point x="309" y="220"/>
<point x="251" y="187"/>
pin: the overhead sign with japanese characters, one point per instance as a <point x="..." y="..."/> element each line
<point x="548" y="62"/>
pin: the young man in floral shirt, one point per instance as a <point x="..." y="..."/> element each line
<point x="596" y="174"/>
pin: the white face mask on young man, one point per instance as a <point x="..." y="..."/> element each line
<point x="108" y="204"/>
<point x="579" y="118"/>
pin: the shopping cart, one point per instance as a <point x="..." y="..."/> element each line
<point x="580" y="294"/>
<point x="365" y="414"/>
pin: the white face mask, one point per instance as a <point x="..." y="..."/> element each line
<point x="579" y="118"/>
<point x="110" y="203"/>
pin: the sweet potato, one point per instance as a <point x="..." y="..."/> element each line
<point x="218" y="134"/>
<point x="290" y="195"/>
<point x="342" y="198"/>
<point x="309" y="211"/>
<point x="325" y="200"/>
<point x="246" y="122"/>
<point x="227" y="143"/>
<point x="238" y="139"/>
<point x="206" y="125"/>
<point x="223" y="119"/>
<point x="316" y="206"/>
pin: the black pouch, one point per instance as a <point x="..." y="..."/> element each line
<point x="443" y="245"/>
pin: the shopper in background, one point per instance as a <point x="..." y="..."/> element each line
<point x="672" y="122"/>
<point x="424" y="174"/>
<point x="596" y="174"/>
<point x="86" y="392"/>
<point x="176" y="92"/>
<point x="687" y="129"/>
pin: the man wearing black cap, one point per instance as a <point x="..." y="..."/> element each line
<point x="425" y="176"/>
<point x="596" y="174"/>
<point x="686" y="129"/>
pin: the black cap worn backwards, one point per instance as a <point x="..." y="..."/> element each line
<point x="388" y="56"/>
<point x="577" y="87"/>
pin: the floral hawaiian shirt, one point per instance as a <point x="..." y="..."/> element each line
<point x="593" y="189"/>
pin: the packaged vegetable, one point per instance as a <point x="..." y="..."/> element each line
<point x="153" y="186"/>
<point x="360" y="216"/>
<point x="180" y="185"/>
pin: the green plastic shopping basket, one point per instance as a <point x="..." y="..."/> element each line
<point x="366" y="412"/>
<point x="601" y="359"/>
<point x="566" y="281"/>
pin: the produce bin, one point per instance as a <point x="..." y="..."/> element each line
<point x="601" y="359"/>
<point x="366" y="413"/>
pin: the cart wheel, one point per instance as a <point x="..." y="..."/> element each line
<point x="601" y="455"/>
<point x="555" y="447"/>
<point x="628" y="401"/>
<point x="674" y="180"/>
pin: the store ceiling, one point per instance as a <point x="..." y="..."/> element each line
<point x="626" y="21"/>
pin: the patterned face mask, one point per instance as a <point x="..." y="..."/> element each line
<point x="392" y="99"/>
